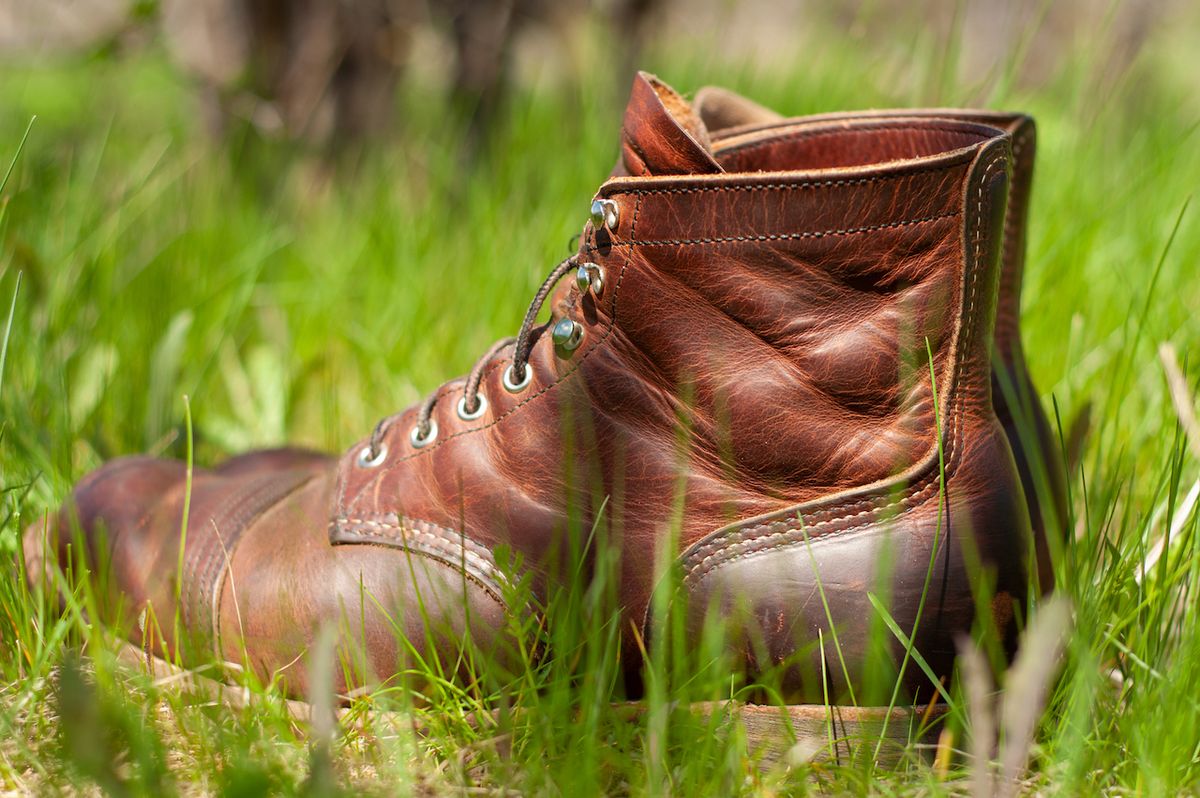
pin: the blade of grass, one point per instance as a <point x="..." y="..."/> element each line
<point x="12" y="311"/>
<point x="16" y="156"/>
<point x="183" y="529"/>
<point x="909" y="650"/>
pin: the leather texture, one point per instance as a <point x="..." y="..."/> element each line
<point x="779" y="351"/>
<point x="735" y="123"/>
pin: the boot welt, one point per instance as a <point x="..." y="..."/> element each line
<point x="790" y="734"/>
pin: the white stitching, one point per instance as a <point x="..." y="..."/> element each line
<point x="799" y="185"/>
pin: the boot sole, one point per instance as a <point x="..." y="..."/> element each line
<point x="788" y="735"/>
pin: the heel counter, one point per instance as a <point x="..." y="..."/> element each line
<point x="779" y="598"/>
<point x="1039" y="458"/>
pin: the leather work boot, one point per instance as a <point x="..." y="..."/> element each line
<point x="734" y="122"/>
<point x="775" y="361"/>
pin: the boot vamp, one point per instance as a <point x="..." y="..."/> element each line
<point x="258" y="579"/>
<point x="124" y="523"/>
<point x="381" y="608"/>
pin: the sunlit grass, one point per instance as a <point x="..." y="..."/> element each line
<point x="295" y="303"/>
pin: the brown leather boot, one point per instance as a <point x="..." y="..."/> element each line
<point x="734" y="123"/>
<point x="783" y="372"/>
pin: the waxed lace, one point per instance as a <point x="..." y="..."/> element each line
<point x="522" y="345"/>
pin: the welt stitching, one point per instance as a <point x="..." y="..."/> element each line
<point x="786" y="537"/>
<point x="785" y="236"/>
<point x="716" y="548"/>
<point x="797" y="186"/>
<point x="811" y="134"/>
<point x="775" y="537"/>
<point x="417" y="526"/>
<point x="451" y="551"/>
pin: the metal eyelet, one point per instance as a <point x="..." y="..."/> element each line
<point x="510" y="383"/>
<point x="366" y="460"/>
<point x="605" y="213"/>
<point x="567" y="335"/>
<point x="417" y="441"/>
<point x="590" y="277"/>
<point x="480" y="407"/>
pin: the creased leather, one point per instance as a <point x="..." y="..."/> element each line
<point x="736" y="124"/>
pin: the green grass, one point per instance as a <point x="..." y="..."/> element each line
<point x="288" y="303"/>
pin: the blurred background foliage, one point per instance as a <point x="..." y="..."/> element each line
<point x="326" y="71"/>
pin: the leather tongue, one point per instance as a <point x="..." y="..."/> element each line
<point x="661" y="134"/>
<point x="720" y="109"/>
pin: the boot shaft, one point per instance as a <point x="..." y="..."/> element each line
<point x="732" y="121"/>
<point x="794" y="314"/>
<point x="735" y="122"/>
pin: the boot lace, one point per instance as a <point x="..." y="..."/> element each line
<point x="472" y="403"/>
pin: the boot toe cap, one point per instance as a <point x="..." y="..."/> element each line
<point x="107" y="505"/>
<point x="395" y="609"/>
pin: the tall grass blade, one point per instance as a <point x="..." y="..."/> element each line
<point x="17" y="155"/>
<point x="12" y="311"/>
<point x="979" y="687"/>
<point x="1027" y="686"/>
